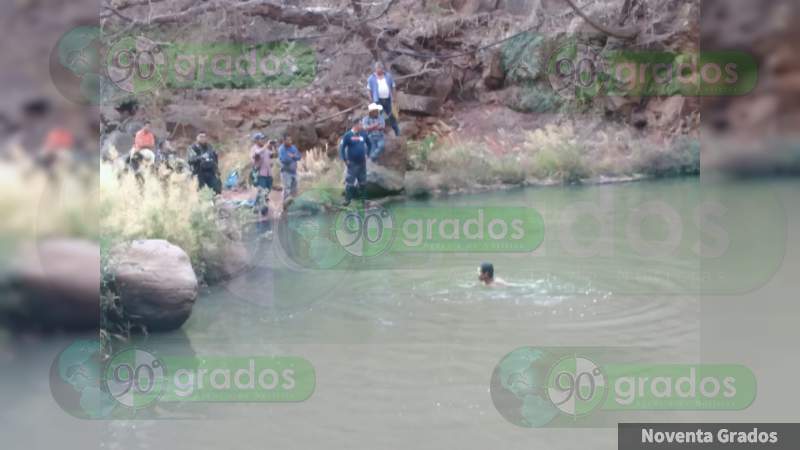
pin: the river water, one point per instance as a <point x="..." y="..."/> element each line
<point x="675" y="271"/>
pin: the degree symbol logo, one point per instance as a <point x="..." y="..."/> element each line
<point x="576" y="385"/>
<point x="135" y="378"/>
<point x="576" y="70"/>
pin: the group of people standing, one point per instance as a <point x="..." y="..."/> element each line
<point x="364" y="140"/>
<point x="201" y="157"/>
<point x="263" y="155"/>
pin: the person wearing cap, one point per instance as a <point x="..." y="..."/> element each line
<point x="354" y="148"/>
<point x="288" y="155"/>
<point x="262" y="156"/>
<point x="381" y="88"/>
<point x="374" y="125"/>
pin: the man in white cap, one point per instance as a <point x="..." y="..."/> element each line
<point x="374" y="125"/>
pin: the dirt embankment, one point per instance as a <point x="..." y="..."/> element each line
<point x="479" y="71"/>
<point x="450" y="58"/>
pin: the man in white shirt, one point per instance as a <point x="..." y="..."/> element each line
<point x="381" y="87"/>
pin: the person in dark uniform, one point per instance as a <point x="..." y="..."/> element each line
<point x="205" y="164"/>
<point x="354" y="149"/>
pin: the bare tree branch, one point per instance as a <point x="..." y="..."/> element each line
<point x="125" y="4"/>
<point x="293" y="15"/>
<point x="111" y="11"/>
<point x="287" y="14"/>
<point x="389" y="4"/>
<point x="356" y="4"/>
<point x="621" y="34"/>
<point x="301" y="17"/>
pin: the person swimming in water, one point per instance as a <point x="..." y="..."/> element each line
<point x="486" y="276"/>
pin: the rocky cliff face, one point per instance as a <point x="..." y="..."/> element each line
<point x="441" y="50"/>
<point x="449" y="56"/>
<point x="756" y="133"/>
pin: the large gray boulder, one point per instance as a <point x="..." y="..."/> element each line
<point x="225" y="260"/>
<point x="304" y="134"/>
<point x="55" y="284"/>
<point x="383" y="182"/>
<point x="419" y="104"/>
<point x="155" y="283"/>
<point x="395" y="153"/>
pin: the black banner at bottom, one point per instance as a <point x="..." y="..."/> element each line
<point x="708" y="436"/>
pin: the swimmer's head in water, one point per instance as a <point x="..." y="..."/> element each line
<point x="486" y="273"/>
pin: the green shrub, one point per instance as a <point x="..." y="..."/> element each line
<point x="170" y="208"/>
<point x="557" y="154"/>
<point x="522" y="58"/>
<point x="37" y="205"/>
<point x="536" y="99"/>
<point x="419" y="151"/>
<point x="509" y="170"/>
<point x="682" y="157"/>
<point x="463" y="164"/>
<point x="319" y="172"/>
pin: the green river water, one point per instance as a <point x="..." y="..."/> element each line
<point x="404" y="348"/>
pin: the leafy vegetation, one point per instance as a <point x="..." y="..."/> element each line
<point x="553" y="154"/>
<point x="39" y="204"/>
<point x="168" y="207"/>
